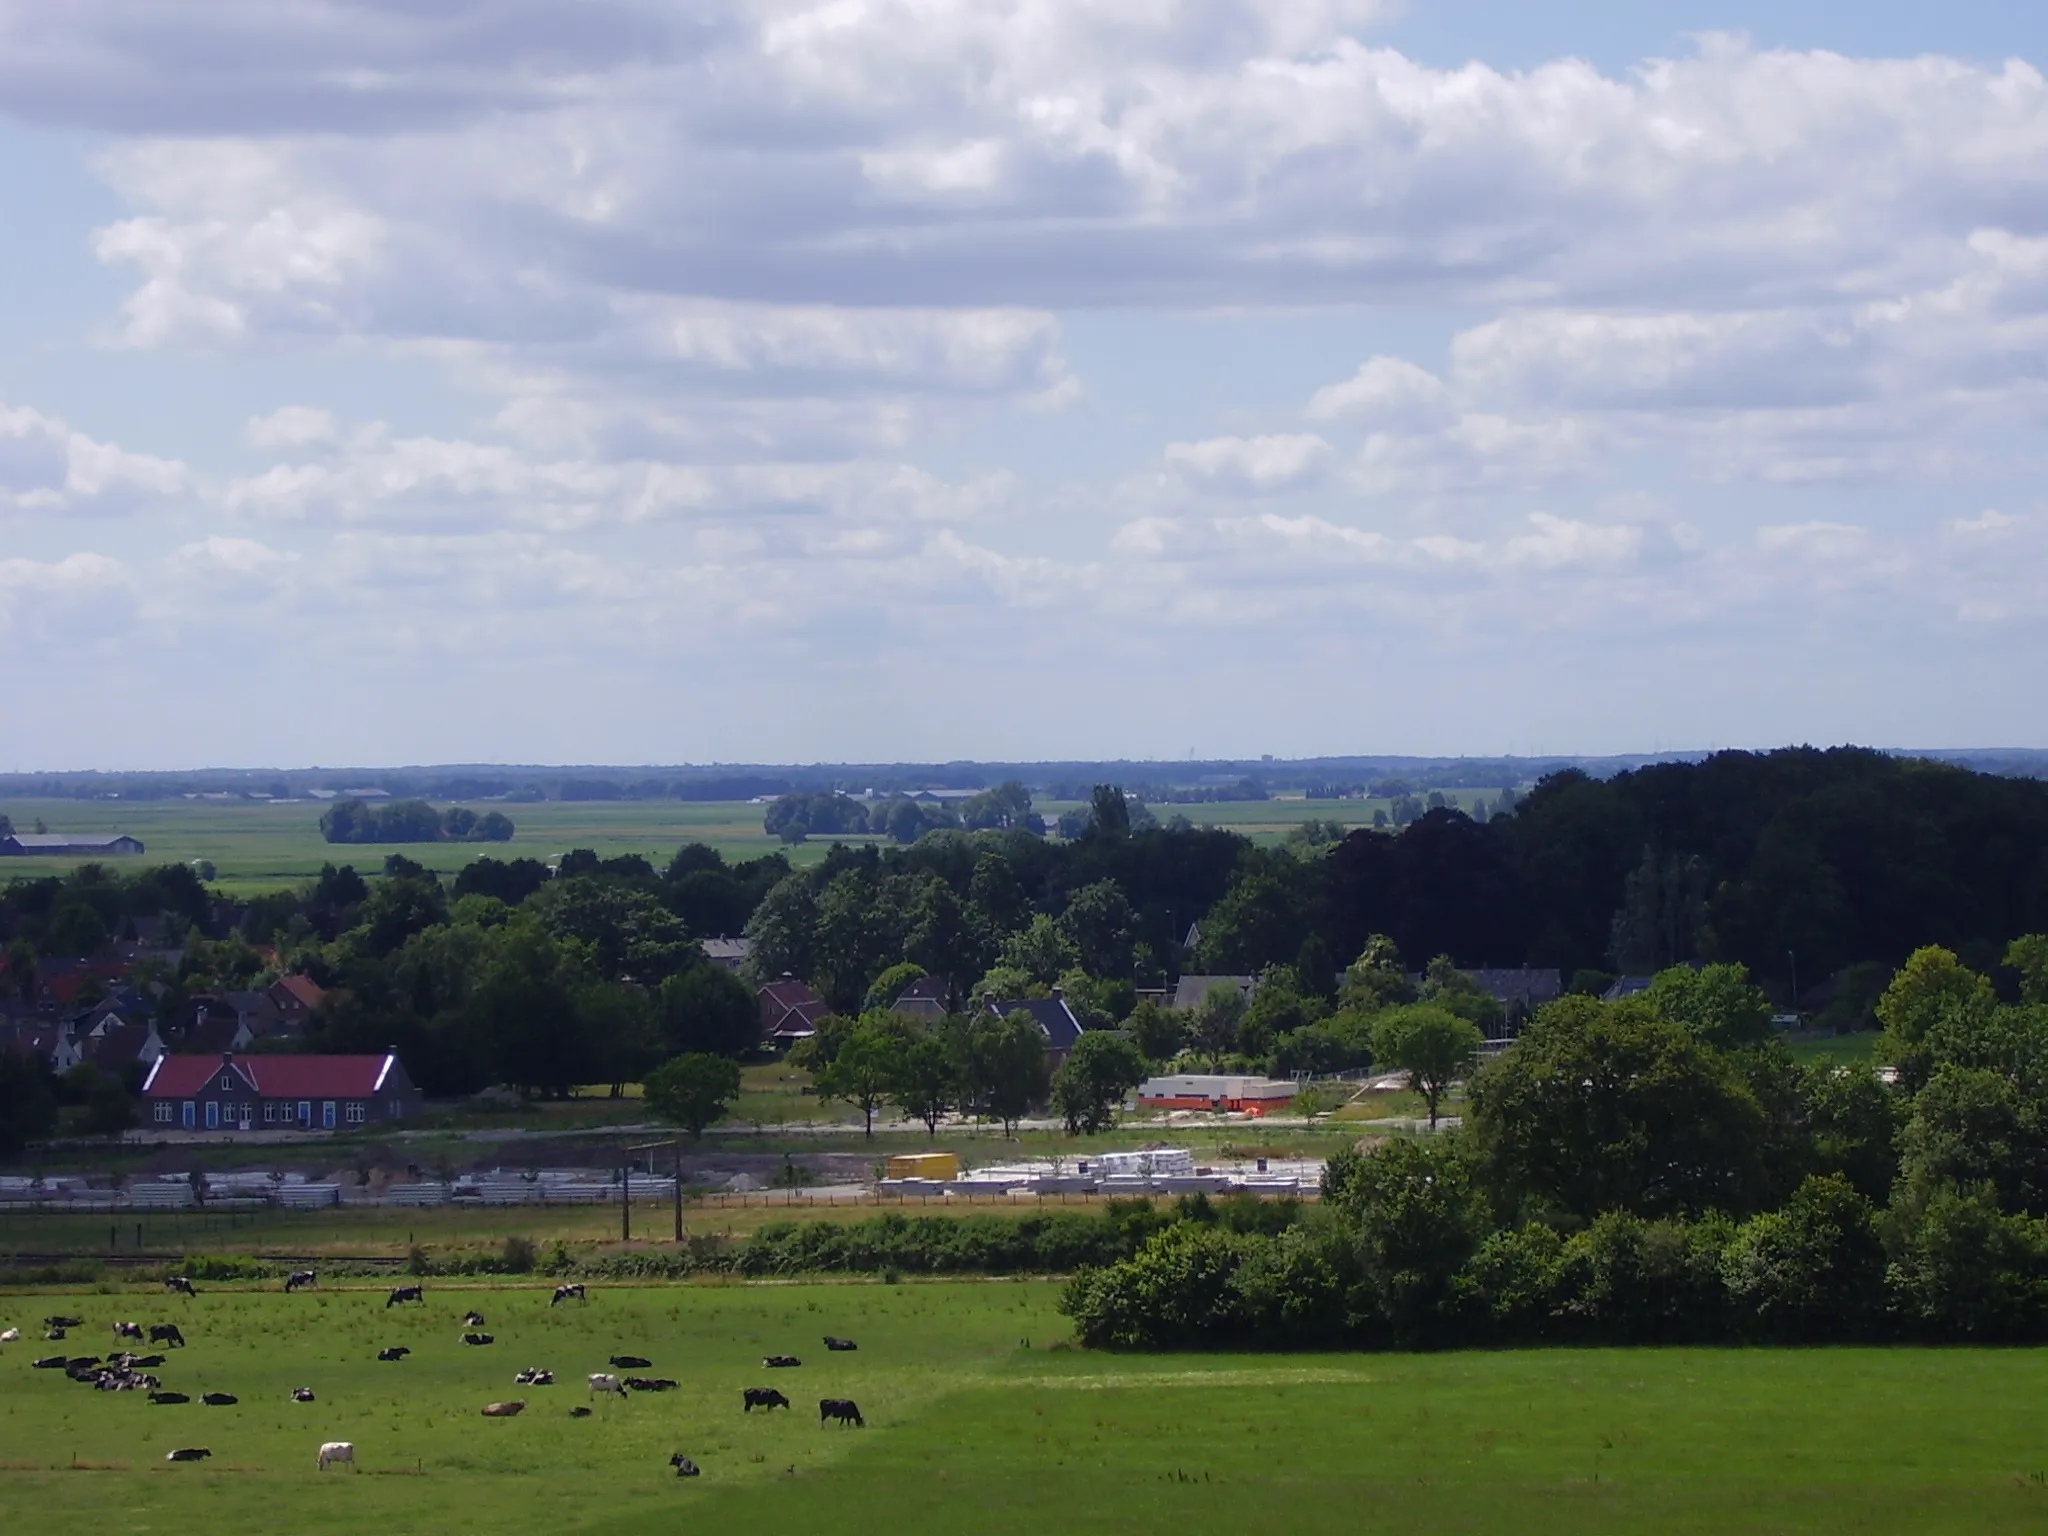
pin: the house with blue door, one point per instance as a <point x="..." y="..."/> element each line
<point x="225" y="1092"/>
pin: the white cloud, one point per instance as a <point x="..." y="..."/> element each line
<point x="291" y="426"/>
<point x="47" y="467"/>
<point x="1251" y="465"/>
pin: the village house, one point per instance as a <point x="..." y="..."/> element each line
<point x="790" y="1011"/>
<point x="293" y="1093"/>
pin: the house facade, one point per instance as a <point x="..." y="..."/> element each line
<point x="226" y="1092"/>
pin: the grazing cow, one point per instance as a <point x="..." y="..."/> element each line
<point x="179" y="1283"/>
<point x="302" y="1394"/>
<point x="683" y="1465"/>
<point x="405" y="1293"/>
<point x="631" y="1362"/>
<point x="49" y="1363"/>
<point x="479" y="1338"/>
<point x="11" y="1336"/>
<point x="63" y="1322"/>
<point x="762" y="1397"/>
<point x="838" y="1344"/>
<point x="844" y="1409"/>
<point x="780" y="1362"/>
<point x="219" y="1399"/>
<point x="166" y="1333"/>
<point x="533" y="1376"/>
<point x="650" y="1384"/>
<point x="299" y="1277"/>
<point x="188" y="1453"/>
<point x="579" y="1412"/>
<point x="128" y="1330"/>
<point x="472" y="1319"/>
<point x="564" y="1292"/>
<point x="505" y="1410"/>
<point x="166" y="1398"/>
<point x="604" y="1381"/>
<point x="395" y="1352"/>
<point x="338" y="1450"/>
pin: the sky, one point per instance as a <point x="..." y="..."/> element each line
<point x="873" y="380"/>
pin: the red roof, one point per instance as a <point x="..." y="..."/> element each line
<point x="274" y="1077"/>
<point x="304" y="988"/>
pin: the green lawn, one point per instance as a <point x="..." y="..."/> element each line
<point x="1855" y="1048"/>
<point x="970" y="1428"/>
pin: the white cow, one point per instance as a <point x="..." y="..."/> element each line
<point x="11" y="1336"/>
<point x="338" y="1450"/>
<point x="604" y="1381"/>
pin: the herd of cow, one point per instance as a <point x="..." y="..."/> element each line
<point x="124" y="1371"/>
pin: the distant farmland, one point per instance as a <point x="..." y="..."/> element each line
<point x="256" y="846"/>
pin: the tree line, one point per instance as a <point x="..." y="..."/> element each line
<point x="412" y="821"/>
<point x="1659" y="1169"/>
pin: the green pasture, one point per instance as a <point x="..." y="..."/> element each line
<point x="255" y="846"/>
<point x="980" y="1419"/>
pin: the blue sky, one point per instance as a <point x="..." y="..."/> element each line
<point x="856" y="379"/>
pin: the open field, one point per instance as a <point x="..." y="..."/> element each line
<point x="968" y="1428"/>
<point x="255" y="847"/>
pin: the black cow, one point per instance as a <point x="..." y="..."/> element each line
<point x="168" y="1397"/>
<point x="219" y="1399"/>
<point x="631" y="1362"/>
<point x="302" y="1394"/>
<point x="127" y="1330"/>
<point x="179" y="1283"/>
<point x="395" y="1352"/>
<point x="166" y="1333"/>
<point x="63" y="1322"/>
<point x="838" y="1344"/>
<point x="683" y="1465"/>
<point x="579" y="1412"/>
<point x="762" y="1397"/>
<point x="405" y="1293"/>
<point x="780" y="1362"/>
<point x="189" y="1453"/>
<point x="564" y="1292"/>
<point x="479" y="1338"/>
<point x="144" y="1362"/>
<point x="472" y="1319"/>
<point x="650" y="1384"/>
<point x="299" y="1277"/>
<point x="50" y="1363"/>
<point x="844" y="1409"/>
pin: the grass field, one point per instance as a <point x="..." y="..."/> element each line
<point x="256" y="847"/>
<point x="970" y="1428"/>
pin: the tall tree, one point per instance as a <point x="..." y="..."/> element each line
<point x="694" y="1090"/>
<point x="1431" y="1044"/>
<point x="865" y="1068"/>
<point x="1098" y="1072"/>
<point x="924" y="1079"/>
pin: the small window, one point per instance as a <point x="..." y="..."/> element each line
<point x="163" y="1114"/>
<point x="284" y="1112"/>
<point x="269" y="1113"/>
<point x="355" y="1114"/>
<point x="227" y="1083"/>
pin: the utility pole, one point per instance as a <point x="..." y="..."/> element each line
<point x="626" y="1202"/>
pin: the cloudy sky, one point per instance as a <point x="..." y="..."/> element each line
<point x="650" y="381"/>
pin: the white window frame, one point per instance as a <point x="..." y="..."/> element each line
<point x="164" y="1113"/>
<point x="191" y="1115"/>
<point x="327" y="1114"/>
<point x="354" y="1113"/>
<point x="269" y="1113"/>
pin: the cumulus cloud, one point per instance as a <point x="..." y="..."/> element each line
<point x="1251" y="465"/>
<point x="47" y="467"/>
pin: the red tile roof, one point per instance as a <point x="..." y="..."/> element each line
<point x="304" y="988"/>
<point x="274" y="1077"/>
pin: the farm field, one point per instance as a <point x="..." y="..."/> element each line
<point x="971" y="1428"/>
<point x="256" y="847"/>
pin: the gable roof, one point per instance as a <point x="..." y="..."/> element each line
<point x="1190" y="991"/>
<point x="1531" y="985"/>
<point x="1052" y="1014"/>
<point x="303" y="990"/>
<point x="274" y="1077"/>
<point x="790" y="1010"/>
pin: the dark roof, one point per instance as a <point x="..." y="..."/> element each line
<point x="118" y="1046"/>
<point x="211" y="1038"/>
<point x="1626" y="986"/>
<point x="277" y="1077"/>
<point x="1191" y="991"/>
<point x="1534" y="986"/>
<point x="1053" y="1015"/>
<point x="790" y="1009"/>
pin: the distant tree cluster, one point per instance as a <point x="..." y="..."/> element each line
<point x="411" y="821"/>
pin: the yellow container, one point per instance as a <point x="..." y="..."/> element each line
<point x="925" y="1165"/>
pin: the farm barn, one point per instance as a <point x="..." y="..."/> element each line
<point x="226" y="1092"/>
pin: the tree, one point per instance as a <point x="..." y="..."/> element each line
<point x="924" y="1079"/>
<point x="1213" y="1025"/>
<point x="891" y="984"/>
<point x="782" y="930"/>
<point x="1098" y="1072"/>
<point x="1097" y="924"/>
<point x="1933" y="991"/>
<point x="1605" y="1106"/>
<point x="2028" y="954"/>
<point x="865" y="1068"/>
<point x="1109" y="813"/>
<point x="1006" y="1066"/>
<point x="694" y="1090"/>
<point x="1431" y="1044"/>
<point x="1719" y="1003"/>
<point x="1041" y="951"/>
<point x="523" y="1010"/>
<point x="28" y="1110"/>
<point x="1376" y="979"/>
<point x="21" y="968"/>
<point x="1157" y="1031"/>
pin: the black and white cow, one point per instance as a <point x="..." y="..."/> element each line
<point x="564" y="1292"/>
<point x="405" y="1293"/>
<point x="299" y="1277"/>
<point x="683" y="1465"/>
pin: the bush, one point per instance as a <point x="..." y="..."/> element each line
<point x="517" y="1256"/>
<point x="1814" y="1270"/>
